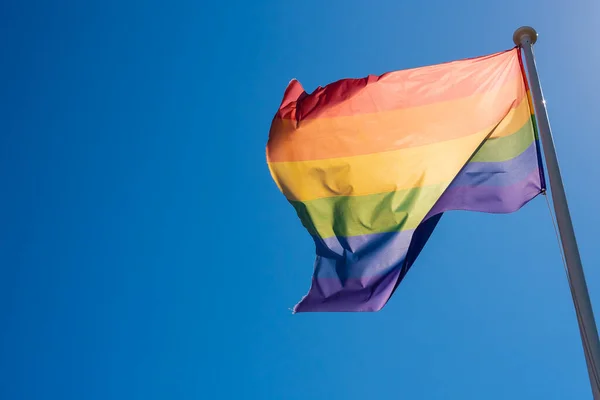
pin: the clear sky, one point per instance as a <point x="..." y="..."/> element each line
<point x="145" y="252"/>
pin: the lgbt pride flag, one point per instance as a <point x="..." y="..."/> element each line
<point x="371" y="164"/>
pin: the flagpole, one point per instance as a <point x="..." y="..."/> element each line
<point x="525" y="37"/>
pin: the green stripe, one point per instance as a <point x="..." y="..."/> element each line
<point x="361" y="215"/>
<point x="507" y="147"/>
<point x="535" y="127"/>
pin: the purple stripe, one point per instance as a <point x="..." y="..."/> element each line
<point x="358" y="294"/>
<point x="490" y="199"/>
<point x="502" y="173"/>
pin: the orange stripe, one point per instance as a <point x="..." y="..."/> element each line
<point x="323" y="138"/>
<point x="401" y="89"/>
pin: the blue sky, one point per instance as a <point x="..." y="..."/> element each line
<point x="145" y="252"/>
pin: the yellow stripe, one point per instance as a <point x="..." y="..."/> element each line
<point x="513" y="121"/>
<point x="388" y="171"/>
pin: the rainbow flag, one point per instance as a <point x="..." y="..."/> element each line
<point x="371" y="164"/>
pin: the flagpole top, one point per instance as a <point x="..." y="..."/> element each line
<point x="523" y="33"/>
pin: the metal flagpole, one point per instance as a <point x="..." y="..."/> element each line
<point x="525" y="37"/>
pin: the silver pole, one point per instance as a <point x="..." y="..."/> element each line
<point x="525" y="37"/>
